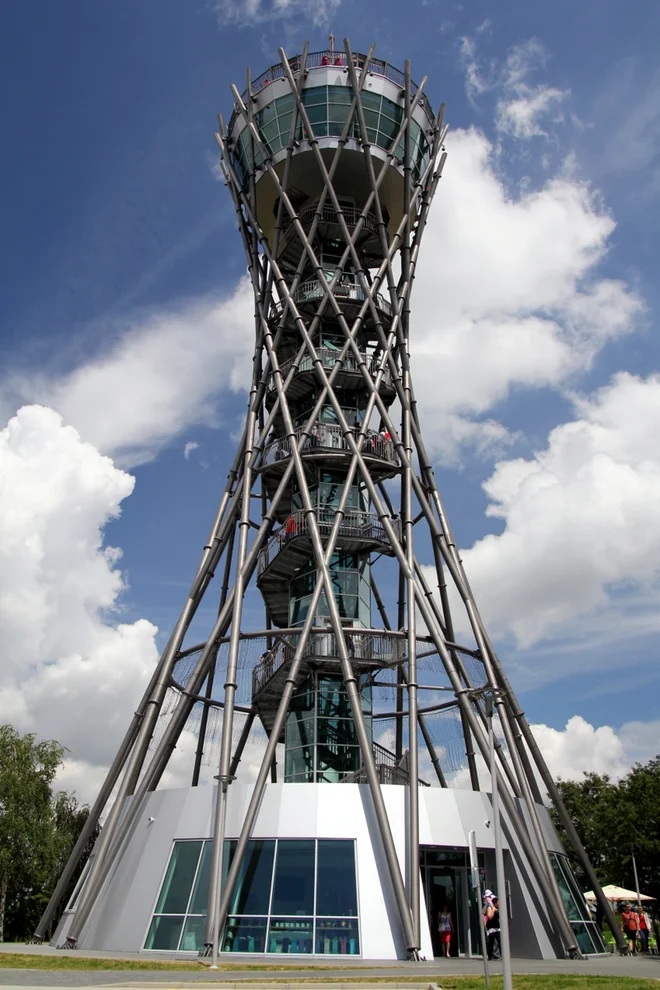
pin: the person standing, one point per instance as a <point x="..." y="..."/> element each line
<point x="643" y="931"/>
<point x="492" y="925"/>
<point x="445" y="930"/>
<point x="290" y="528"/>
<point x="630" y="923"/>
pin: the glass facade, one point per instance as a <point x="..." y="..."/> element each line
<point x="353" y="406"/>
<point x="586" y="930"/>
<point x="352" y="590"/>
<point x="320" y="738"/>
<point x="292" y="895"/>
<point x="328" y="107"/>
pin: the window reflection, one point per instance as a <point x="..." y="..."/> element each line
<point x="292" y="896"/>
<point x="328" y="108"/>
<point x="321" y="742"/>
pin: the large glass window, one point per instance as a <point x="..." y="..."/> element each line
<point x="587" y="935"/>
<point x="293" y="888"/>
<point x="293" y="895"/>
<point x="335" y="891"/>
<point x="328" y="108"/>
<point x="253" y="885"/>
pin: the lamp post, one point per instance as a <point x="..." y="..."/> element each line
<point x="499" y="855"/>
<point x="476" y="884"/>
<point x="634" y="862"/>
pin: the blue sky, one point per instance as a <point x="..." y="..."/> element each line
<point x="123" y="311"/>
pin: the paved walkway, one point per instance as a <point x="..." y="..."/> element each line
<point x="312" y="973"/>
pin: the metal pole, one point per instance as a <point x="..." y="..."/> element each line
<point x="634" y="861"/>
<point x="243" y="738"/>
<point x="229" y="553"/>
<point x="476" y="885"/>
<point x="499" y="855"/>
<point x="407" y="522"/>
<point x="216" y="865"/>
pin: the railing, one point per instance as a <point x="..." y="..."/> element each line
<point x="328" y="357"/>
<point x="312" y="289"/>
<point x="351" y="215"/>
<point x="386" y="768"/>
<point x="356" y="524"/>
<point x="327" y="436"/>
<point x="316" y="60"/>
<point x="360" y="645"/>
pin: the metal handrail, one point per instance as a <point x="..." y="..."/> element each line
<point x="356" y="523"/>
<point x="327" y="58"/>
<point x="361" y="645"/>
<point x="386" y="768"/>
<point x="351" y="215"/>
<point x="342" y="289"/>
<point x="328" y="357"/>
<point x="328" y="436"/>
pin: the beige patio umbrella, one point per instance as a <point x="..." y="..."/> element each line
<point x="614" y="893"/>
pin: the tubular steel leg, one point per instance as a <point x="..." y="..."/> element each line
<point x="87" y="830"/>
<point x="224" y="591"/>
<point x="242" y="740"/>
<point x="503" y="897"/>
<point x="231" y="684"/>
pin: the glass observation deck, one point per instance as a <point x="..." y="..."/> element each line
<point x="327" y="95"/>
<point x="328" y="107"/>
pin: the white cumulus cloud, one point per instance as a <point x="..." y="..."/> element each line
<point x="581" y="519"/>
<point x="507" y="293"/>
<point x="581" y="748"/>
<point x="70" y="670"/>
<point x="161" y="374"/>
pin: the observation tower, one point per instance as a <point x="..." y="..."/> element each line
<point x="368" y="721"/>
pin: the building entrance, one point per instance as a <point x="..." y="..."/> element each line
<point x="446" y="881"/>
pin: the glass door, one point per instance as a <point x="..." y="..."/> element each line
<point x="440" y="893"/>
<point x="447" y="884"/>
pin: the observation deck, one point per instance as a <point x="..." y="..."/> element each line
<point x="368" y="650"/>
<point x="325" y="446"/>
<point x="329" y="228"/>
<point x="348" y="376"/>
<point x="326" y="96"/>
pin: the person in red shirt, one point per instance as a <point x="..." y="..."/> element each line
<point x="290" y="528"/>
<point x="643" y="931"/>
<point x="630" y="927"/>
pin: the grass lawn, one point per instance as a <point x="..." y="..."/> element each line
<point x="26" y="960"/>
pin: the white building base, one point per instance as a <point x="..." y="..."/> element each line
<point x="122" y="915"/>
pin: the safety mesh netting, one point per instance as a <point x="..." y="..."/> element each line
<point x="444" y="725"/>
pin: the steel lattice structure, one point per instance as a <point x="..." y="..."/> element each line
<point x="332" y="222"/>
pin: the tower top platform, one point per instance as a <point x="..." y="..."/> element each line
<point x="277" y="103"/>
<point x="328" y="59"/>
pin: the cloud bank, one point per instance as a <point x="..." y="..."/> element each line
<point x="71" y="669"/>
<point x="581" y="520"/>
<point x="520" y="302"/>
<point x="161" y="374"/>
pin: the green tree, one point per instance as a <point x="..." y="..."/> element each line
<point x="612" y="819"/>
<point x="37" y="829"/>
